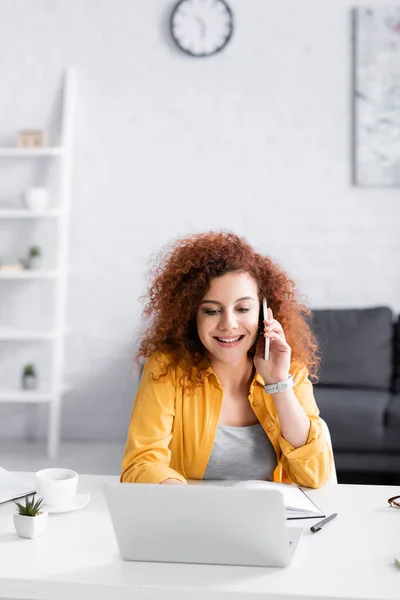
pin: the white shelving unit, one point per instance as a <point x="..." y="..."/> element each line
<point x="57" y="276"/>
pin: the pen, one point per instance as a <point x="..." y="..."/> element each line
<point x="319" y="525"/>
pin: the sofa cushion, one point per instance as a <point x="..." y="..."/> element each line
<point x="355" y="346"/>
<point x="356" y="418"/>
<point x="392" y="435"/>
<point x="396" y="379"/>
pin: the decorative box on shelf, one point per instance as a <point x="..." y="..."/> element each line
<point x="32" y="138"/>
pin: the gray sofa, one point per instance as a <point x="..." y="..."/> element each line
<point x="358" y="392"/>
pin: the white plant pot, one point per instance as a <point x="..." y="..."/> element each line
<point x="33" y="262"/>
<point x="37" y="199"/>
<point x="30" y="527"/>
<point x="29" y="382"/>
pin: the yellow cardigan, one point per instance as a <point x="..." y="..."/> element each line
<point x="171" y="433"/>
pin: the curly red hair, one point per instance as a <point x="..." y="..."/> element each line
<point x="181" y="277"/>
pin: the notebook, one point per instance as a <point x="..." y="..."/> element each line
<point x="297" y="504"/>
<point x="13" y="487"/>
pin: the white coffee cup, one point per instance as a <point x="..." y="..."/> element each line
<point x="56" y="486"/>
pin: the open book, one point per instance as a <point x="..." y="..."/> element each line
<point x="13" y="487"/>
<point x="297" y="504"/>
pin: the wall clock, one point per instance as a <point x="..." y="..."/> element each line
<point x="201" y="27"/>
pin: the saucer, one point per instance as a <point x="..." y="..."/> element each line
<point x="78" y="502"/>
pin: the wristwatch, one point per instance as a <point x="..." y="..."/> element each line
<point x="273" y="388"/>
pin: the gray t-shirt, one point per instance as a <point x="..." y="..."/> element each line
<point x="241" y="453"/>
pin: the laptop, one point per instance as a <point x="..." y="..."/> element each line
<point x="201" y="524"/>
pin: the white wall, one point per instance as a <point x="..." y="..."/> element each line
<point x="256" y="139"/>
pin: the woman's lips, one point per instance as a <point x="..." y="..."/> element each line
<point x="229" y="344"/>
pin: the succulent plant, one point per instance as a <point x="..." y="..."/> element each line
<point x="34" y="251"/>
<point x="29" y="371"/>
<point x="31" y="508"/>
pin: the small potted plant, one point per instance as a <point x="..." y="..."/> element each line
<point x="30" y="521"/>
<point x="29" y="378"/>
<point x="33" y="259"/>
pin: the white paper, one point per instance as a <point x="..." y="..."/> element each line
<point x="297" y="504"/>
<point x="13" y="486"/>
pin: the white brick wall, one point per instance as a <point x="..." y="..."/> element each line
<point x="256" y="139"/>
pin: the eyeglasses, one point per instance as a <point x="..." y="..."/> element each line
<point x="394" y="502"/>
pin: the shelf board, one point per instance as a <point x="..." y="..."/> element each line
<point x="29" y="396"/>
<point x="16" y="152"/>
<point x="24" y="213"/>
<point x="28" y="274"/>
<point x="25" y="396"/>
<point x="21" y="335"/>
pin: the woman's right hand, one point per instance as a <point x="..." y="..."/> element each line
<point x="171" y="481"/>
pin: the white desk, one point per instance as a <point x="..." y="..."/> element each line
<point x="77" y="558"/>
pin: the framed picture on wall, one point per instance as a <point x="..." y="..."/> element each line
<point x="376" y="96"/>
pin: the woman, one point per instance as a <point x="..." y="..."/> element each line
<point x="203" y="409"/>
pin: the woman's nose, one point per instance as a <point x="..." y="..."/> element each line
<point x="228" y="321"/>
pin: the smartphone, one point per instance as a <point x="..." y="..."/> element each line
<point x="265" y="316"/>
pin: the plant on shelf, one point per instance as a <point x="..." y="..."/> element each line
<point x="29" y="377"/>
<point x="32" y="262"/>
<point x="30" y="519"/>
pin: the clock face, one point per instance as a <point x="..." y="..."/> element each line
<point x="201" y="27"/>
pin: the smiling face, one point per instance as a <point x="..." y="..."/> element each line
<point x="227" y="319"/>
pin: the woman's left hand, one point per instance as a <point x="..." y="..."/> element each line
<point x="276" y="368"/>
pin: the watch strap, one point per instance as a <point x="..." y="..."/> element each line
<point x="280" y="386"/>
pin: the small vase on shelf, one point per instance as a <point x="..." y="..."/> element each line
<point x="33" y="260"/>
<point x="36" y="199"/>
<point x="29" y="378"/>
